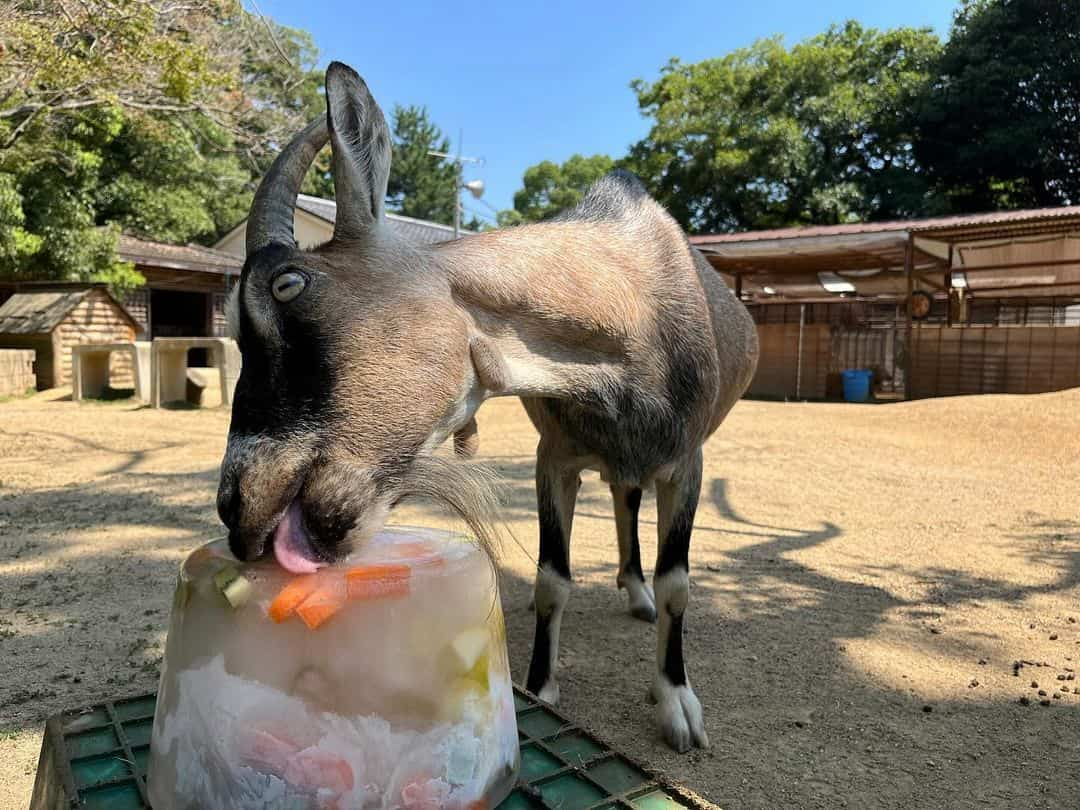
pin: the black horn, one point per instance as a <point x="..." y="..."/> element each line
<point x="272" y="210"/>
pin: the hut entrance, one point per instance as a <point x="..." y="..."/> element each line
<point x="179" y="313"/>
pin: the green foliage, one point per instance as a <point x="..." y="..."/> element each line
<point x="154" y="118"/>
<point x="550" y="187"/>
<point x="769" y="136"/>
<point x="421" y="185"/>
<point x="1000" y="126"/>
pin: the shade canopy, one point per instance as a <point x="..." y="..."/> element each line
<point x="1004" y="254"/>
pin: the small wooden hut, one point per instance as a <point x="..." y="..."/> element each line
<point x="51" y="318"/>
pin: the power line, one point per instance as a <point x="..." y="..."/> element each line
<point x="480" y="214"/>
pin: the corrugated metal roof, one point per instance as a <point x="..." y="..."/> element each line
<point x="918" y="226"/>
<point x="37" y="313"/>
<point x="417" y="231"/>
<point x="182" y="257"/>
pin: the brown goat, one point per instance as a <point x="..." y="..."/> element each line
<point x="362" y="356"/>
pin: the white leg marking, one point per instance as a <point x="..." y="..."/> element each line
<point x="642" y="601"/>
<point x="550" y="596"/>
<point x="678" y="711"/>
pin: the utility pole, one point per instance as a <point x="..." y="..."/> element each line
<point x="474" y="187"/>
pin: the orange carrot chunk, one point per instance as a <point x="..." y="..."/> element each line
<point x="291" y="596"/>
<point x="324" y="602"/>
<point x="383" y="581"/>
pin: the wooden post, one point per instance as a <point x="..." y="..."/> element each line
<point x="949" y="289"/>
<point x="738" y="286"/>
<point x="798" y="360"/>
<point x="909" y="266"/>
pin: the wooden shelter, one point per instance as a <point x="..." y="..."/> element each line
<point x="185" y="291"/>
<point x="985" y="303"/>
<point x="51" y="318"/>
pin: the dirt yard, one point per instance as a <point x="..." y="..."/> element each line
<point x="864" y="578"/>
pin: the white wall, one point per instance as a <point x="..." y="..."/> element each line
<point x="310" y="232"/>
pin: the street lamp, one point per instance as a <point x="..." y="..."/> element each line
<point x="474" y="187"/>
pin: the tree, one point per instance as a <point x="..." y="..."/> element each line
<point x="154" y="118"/>
<point x="421" y="185"/>
<point x="1000" y="126"/>
<point x="768" y="137"/>
<point x="549" y="188"/>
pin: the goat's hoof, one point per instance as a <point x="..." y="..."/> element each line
<point x="549" y="692"/>
<point x="642" y="601"/>
<point x="646" y="613"/>
<point x="679" y="716"/>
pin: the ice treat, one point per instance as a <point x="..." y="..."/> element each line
<point x="380" y="682"/>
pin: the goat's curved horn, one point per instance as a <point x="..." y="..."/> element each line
<point x="272" y="210"/>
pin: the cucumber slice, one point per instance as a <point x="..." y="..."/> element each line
<point x="234" y="586"/>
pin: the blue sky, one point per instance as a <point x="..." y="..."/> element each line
<point x="533" y="81"/>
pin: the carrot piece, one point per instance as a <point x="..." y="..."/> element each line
<point x="324" y="602"/>
<point x="286" y="602"/>
<point x="383" y="581"/>
<point x="315" y="768"/>
<point x="410" y="550"/>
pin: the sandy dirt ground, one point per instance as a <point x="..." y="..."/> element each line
<point x="864" y="578"/>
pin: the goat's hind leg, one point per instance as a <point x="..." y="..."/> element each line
<point x="556" y="495"/>
<point x="678" y="710"/>
<point x="627" y="502"/>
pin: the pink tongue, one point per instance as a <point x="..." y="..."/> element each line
<point x="291" y="545"/>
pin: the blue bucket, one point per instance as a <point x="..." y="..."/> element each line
<point x="857" y="384"/>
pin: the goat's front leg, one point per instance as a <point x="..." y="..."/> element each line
<point x="556" y="495"/>
<point x="627" y="502"/>
<point x="677" y="708"/>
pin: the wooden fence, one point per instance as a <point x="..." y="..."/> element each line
<point x="780" y="374"/>
<point x="947" y="361"/>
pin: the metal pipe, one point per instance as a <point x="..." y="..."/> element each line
<point x="909" y="261"/>
<point x="798" y="362"/>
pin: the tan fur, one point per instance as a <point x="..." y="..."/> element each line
<point x="626" y="349"/>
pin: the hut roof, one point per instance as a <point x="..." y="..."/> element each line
<point x="38" y="309"/>
<point x="193" y="258"/>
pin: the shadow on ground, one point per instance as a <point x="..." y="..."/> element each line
<point x="793" y="722"/>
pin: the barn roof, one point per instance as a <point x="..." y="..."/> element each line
<point x="38" y="309"/>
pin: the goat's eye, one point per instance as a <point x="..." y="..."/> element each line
<point x="288" y="285"/>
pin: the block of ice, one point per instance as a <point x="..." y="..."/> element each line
<point x="381" y="682"/>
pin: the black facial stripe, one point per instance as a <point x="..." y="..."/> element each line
<point x="286" y="382"/>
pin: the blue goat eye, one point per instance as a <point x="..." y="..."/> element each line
<point x="287" y="286"/>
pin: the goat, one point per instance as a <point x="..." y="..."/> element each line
<point x="363" y="355"/>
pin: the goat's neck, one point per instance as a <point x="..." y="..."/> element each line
<point x="550" y="302"/>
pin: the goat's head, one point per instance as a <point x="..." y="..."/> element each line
<point x="356" y="361"/>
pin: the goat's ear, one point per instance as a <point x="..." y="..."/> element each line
<point x="360" y="141"/>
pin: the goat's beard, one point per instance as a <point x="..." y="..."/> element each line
<point x="363" y="498"/>
<point x="468" y="490"/>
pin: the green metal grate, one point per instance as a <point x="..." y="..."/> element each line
<point x="96" y="759"/>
